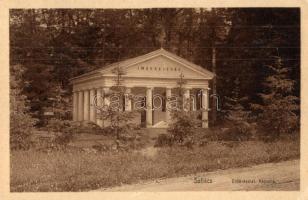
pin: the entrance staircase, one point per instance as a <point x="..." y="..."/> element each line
<point x="161" y="124"/>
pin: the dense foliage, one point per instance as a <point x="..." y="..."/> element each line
<point x="54" y="45"/>
<point x="21" y="122"/>
<point x="237" y="118"/>
<point x="183" y="127"/>
<point x="278" y="109"/>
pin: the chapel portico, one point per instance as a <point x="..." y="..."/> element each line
<point x="156" y="74"/>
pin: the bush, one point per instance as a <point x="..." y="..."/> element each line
<point x="163" y="140"/>
<point x="100" y="147"/>
<point x="87" y="127"/>
<point x="202" y="136"/>
<point x="238" y="132"/>
<point x="183" y="126"/>
<point x="20" y="133"/>
<point x="21" y="121"/>
<point x="63" y="130"/>
<point x="198" y="137"/>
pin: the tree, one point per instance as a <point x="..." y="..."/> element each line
<point x="236" y="115"/>
<point x="59" y="102"/>
<point x="278" y="110"/>
<point x="113" y="113"/>
<point x="21" y="122"/>
<point x="235" y="112"/>
<point x="183" y="126"/>
<point x="254" y="37"/>
<point x="184" y="122"/>
<point x="58" y="44"/>
<point x="212" y="32"/>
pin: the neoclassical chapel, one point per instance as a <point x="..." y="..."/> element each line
<point x="154" y="75"/>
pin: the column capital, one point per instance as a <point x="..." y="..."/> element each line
<point x="208" y="89"/>
<point x="128" y="89"/>
<point x="149" y="88"/>
<point x="106" y="89"/>
<point x="187" y="88"/>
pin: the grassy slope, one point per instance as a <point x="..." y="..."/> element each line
<point x="81" y="171"/>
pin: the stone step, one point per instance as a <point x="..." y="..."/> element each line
<point x="160" y="124"/>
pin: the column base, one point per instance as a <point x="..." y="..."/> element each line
<point x="205" y="125"/>
<point x="205" y="119"/>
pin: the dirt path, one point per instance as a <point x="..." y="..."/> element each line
<point x="273" y="176"/>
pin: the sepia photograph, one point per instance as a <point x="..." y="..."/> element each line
<point x="154" y="99"/>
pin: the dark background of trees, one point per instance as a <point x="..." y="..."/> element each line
<point x="51" y="46"/>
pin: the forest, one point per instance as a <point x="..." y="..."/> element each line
<point x="252" y="51"/>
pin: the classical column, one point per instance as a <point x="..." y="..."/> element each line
<point x="92" y="106"/>
<point x="149" y="111"/>
<point x="205" y="106"/>
<point x="75" y="106"/>
<point x="193" y="102"/>
<point x="105" y="95"/>
<point x="106" y="103"/>
<point x="128" y="101"/>
<point x="186" y="99"/>
<point x="168" y="106"/>
<point x="86" y="107"/>
<point x="99" y="99"/>
<point x="80" y="105"/>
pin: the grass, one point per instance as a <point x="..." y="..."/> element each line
<point x="81" y="171"/>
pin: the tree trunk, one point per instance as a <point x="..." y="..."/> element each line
<point x="214" y="106"/>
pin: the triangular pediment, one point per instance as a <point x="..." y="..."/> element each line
<point x="163" y="64"/>
<point x="156" y="64"/>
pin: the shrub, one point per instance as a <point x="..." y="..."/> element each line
<point x="183" y="126"/>
<point x="21" y="122"/>
<point x="63" y="131"/>
<point x="163" y="140"/>
<point x="86" y="127"/>
<point x="100" y="147"/>
<point x="202" y="136"/>
<point x="198" y="136"/>
<point x="238" y="132"/>
<point x="20" y="132"/>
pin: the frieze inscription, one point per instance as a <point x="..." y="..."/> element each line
<point x="158" y="68"/>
